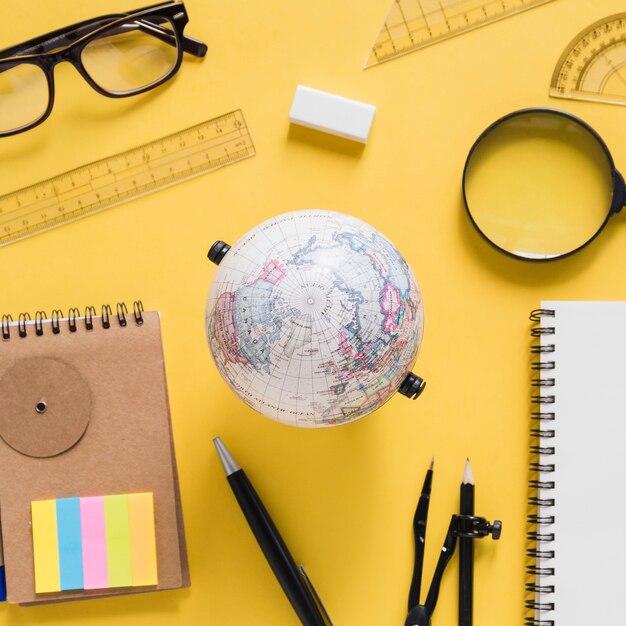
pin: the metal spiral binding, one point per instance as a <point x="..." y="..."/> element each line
<point x="541" y="486"/>
<point x="72" y="315"/>
<point x="57" y="314"/>
<point x="40" y="316"/>
<point x="137" y="312"/>
<point x="106" y="315"/>
<point x="6" y="322"/>
<point x="26" y="325"/>
<point x="122" y="312"/>
<point x="89" y="314"/>
<point x="21" y="325"/>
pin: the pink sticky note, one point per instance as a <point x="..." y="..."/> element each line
<point x="94" y="543"/>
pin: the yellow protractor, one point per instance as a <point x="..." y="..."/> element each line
<point x="593" y="66"/>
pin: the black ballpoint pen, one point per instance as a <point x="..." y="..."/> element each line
<point x="293" y="580"/>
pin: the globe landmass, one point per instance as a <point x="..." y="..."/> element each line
<point x="314" y="318"/>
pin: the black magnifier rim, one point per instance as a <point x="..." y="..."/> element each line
<point x="572" y="118"/>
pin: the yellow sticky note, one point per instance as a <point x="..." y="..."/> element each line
<point x="117" y="532"/>
<point x="142" y="539"/>
<point x="45" y="546"/>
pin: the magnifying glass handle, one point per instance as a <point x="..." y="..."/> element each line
<point x="619" y="193"/>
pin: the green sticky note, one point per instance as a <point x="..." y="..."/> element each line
<point x="118" y="541"/>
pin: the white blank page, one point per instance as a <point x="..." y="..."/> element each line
<point x="590" y="459"/>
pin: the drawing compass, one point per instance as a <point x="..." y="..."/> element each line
<point x="467" y="526"/>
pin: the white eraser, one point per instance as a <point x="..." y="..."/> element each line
<point x="332" y="114"/>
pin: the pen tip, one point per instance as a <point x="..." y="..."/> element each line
<point x="229" y="463"/>
<point x="432" y="464"/>
<point x="468" y="475"/>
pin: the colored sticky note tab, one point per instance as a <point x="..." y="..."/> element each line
<point x="3" y="579"/>
<point x="118" y="541"/>
<point x="142" y="539"/>
<point x="70" y="543"/>
<point x="45" y="546"/>
<point x="95" y="572"/>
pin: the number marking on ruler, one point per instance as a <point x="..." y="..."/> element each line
<point x="125" y="176"/>
<point x="593" y="66"/>
<point x="415" y="24"/>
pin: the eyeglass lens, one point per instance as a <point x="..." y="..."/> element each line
<point x="539" y="185"/>
<point x="23" y="96"/>
<point x="132" y="56"/>
<point x="122" y="60"/>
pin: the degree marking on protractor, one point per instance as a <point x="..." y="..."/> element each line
<point x="113" y="180"/>
<point x="414" y="24"/>
<point x="593" y="66"/>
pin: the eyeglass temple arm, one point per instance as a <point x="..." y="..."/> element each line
<point x="54" y="39"/>
<point x="67" y="35"/>
<point x="190" y="45"/>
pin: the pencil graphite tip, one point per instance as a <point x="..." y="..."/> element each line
<point x="468" y="475"/>
<point x="432" y="464"/>
<point x="229" y="463"/>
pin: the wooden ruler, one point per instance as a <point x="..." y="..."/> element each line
<point x="593" y="66"/>
<point x="125" y="176"/>
<point x="415" y="24"/>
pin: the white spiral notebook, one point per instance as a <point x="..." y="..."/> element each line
<point x="576" y="523"/>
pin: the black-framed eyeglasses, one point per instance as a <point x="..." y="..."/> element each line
<point x="119" y="55"/>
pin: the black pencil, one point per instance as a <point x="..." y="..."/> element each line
<point x="466" y="552"/>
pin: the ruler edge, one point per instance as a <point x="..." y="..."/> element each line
<point x="123" y="201"/>
<point x="106" y="158"/>
<point x="517" y="11"/>
<point x="578" y="95"/>
<point x="51" y="179"/>
<point x="568" y="50"/>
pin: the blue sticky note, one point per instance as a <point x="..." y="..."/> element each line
<point x="3" y="585"/>
<point x="70" y="543"/>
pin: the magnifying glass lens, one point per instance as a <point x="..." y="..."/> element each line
<point x="539" y="185"/>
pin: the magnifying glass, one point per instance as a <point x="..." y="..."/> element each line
<point x="540" y="184"/>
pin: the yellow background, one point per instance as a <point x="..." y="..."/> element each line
<point x="344" y="497"/>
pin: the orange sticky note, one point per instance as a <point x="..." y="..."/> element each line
<point x="142" y="539"/>
<point x="45" y="546"/>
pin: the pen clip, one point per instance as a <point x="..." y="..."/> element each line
<point x="315" y="596"/>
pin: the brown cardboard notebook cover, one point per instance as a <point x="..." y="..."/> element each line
<point x="105" y="429"/>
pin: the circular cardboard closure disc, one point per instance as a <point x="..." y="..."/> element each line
<point x="46" y="405"/>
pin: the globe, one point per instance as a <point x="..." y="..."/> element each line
<point x="314" y="318"/>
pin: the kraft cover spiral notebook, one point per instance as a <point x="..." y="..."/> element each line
<point x="85" y="420"/>
<point x="578" y="471"/>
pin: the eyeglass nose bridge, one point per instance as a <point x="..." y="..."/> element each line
<point x="48" y="61"/>
<point x="51" y="59"/>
